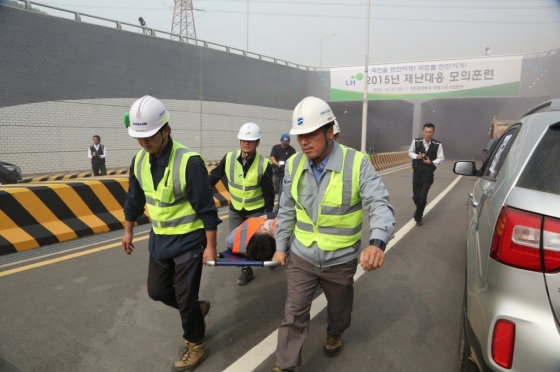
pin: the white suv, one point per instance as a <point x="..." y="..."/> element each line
<point x="511" y="308"/>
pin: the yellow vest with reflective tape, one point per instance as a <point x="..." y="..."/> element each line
<point x="168" y="206"/>
<point x="245" y="192"/>
<point x="339" y="218"/>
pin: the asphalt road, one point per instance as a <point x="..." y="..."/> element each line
<point x="88" y="310"/>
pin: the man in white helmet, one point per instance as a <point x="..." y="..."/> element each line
<point x="326" y="188"/>
<point x="336" y="131"/>
<point x="170" y="180"/>
<point x="249" y="178"/>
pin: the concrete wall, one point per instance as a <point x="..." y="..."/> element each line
<point x="63" y="81"/>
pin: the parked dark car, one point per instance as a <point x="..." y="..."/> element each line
<point x="9" y="173"/>
<point x="511" y="304"/>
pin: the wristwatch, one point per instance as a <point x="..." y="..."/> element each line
<point x="378" y="243"/>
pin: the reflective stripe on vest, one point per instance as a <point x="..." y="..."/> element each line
<point x="245" y="192"/>
<point x="168" y="206"/>
<point x="339" y="219"/>
<point x="245" y="232"/>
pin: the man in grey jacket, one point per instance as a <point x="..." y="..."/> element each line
<point x="326" y="188"/>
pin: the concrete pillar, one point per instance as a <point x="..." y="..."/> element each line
<point x="417" y="117"/>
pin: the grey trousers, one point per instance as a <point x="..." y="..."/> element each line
<point x="303" y="278"/>
<point x="236" y="219"/>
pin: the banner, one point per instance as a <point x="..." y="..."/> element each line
<point x="460" y="78"/>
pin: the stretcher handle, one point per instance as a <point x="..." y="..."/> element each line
<point x="221" y="262"/>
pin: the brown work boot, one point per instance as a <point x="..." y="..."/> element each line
<point x="333" y="344"/>
<point x="191" y="355"/>
<point x="278" y="369"/>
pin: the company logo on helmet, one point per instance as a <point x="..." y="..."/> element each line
<point x="324" y="112"/>
<point x="139" y="123"/>
<point x="299" y="121"/>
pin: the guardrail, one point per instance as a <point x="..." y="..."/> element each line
<point x="389" y="159"/>
<point x="176" y="37"/>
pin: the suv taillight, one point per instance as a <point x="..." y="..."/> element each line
<point x="517" y="238"/>
<point x="551" y="242"/>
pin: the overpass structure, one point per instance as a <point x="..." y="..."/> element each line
<point x="64" y="80"/>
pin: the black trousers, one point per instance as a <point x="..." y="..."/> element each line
<point x="176" y="283"/>
<point x="99" y="169"/>
<point x="421" y="183"/>
<point x="278" y="179"/>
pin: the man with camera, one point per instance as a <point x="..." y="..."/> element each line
<point x="97" y="154"/>
<point x="427" y="154"/>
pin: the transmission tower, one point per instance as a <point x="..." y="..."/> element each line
<point x="183" y="19"/>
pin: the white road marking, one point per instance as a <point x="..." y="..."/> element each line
<point x="258" y="354"/>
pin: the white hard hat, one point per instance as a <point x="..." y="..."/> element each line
<point x="147" y="115"/>
<point x="336" y="127"/>
<point x="249" y="132"/>
<point x="310" y="114"/>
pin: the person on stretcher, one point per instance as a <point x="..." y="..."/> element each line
<point x="254" y="238"/>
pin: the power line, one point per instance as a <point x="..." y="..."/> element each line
<point x="383" y="19"/>
<point x="516" y="7"/>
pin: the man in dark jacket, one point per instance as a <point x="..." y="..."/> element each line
<point x="427" y="154"/>
<point x="165" y="176"/>
<point x="97" y="154"/>
<point x="279" y="155"/>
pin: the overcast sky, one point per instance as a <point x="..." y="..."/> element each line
<point x="400" y="30"/>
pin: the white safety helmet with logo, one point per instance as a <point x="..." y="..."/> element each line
<point x="336" y="127"/>
<point x="147" y="115"/>
<point x="310" y="114"/>
<point x="249" y="132"/>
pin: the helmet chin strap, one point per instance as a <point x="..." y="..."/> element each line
<point x="162" y="142"/>
<point x="328" y="143"/>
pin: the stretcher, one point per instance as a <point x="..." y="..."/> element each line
<point x="228" y="258"/>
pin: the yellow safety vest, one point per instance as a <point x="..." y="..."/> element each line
<point x="245" y="192"/>
<point x="168" y="206"/>
<point x="339" y="219"/>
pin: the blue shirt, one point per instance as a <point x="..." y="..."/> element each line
<point x="318" y="171"/>
<point x="199" y="194"/>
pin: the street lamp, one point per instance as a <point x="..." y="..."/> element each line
<point x="321" y="51"/>
<point x="366" y="97"/>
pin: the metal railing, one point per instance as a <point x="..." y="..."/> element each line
<point x="183" y="39"/>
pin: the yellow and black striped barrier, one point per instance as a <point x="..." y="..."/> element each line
<point x="35" y="215"/>
<point x="56" y="208"/>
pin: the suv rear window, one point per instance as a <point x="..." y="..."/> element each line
<point x="541" y="172"/>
